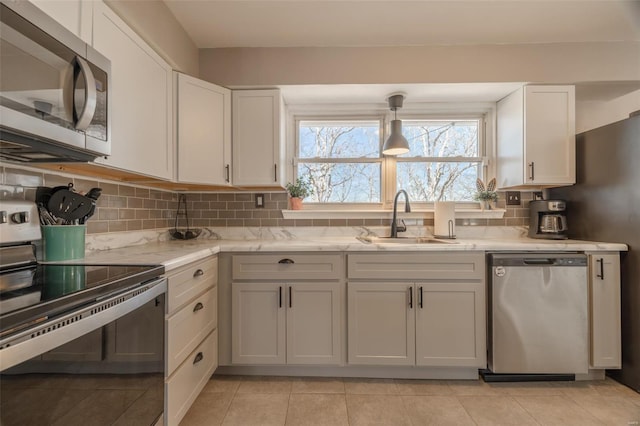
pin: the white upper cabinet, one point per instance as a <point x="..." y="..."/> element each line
<point x="74" y="15"/>
<point x="257" y="138"/>
<point x="141" y="96"/>
<point x="203" y="129"/>
<point x="536" y="137"/>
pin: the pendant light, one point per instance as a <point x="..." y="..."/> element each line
<point x="396" y="144"/>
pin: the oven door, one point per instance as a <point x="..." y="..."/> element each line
<point x="51" y="90"/>
<point x="106" y="368"/>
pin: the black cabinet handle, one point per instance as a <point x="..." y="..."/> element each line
<point x="275" y="172"/>
<point x="601" y="274"/>
<point x="198" y="307"/>
<point x="420" y="296"/>
<point x="198" y="273"/>
<point x="228" y="175"/>
<point x="290" y="297"/>
<point x="198" y="358"/>
<point x="286" y="261"/>
<point x="280" y="297"/>
<point x="532" y="169"/>
<point x="410" y="297"/>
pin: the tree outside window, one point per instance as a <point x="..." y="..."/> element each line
<point x="343" y="162"/>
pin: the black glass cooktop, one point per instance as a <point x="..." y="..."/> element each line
<point x="47" y="290"/>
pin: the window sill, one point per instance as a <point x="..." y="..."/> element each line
<point x="388" y="214"/>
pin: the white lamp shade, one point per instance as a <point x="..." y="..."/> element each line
<point x="396" y="144"/>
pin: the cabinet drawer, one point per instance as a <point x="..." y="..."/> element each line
<point x="190" y="378"/>
<point x="193" y="279"/>
<point x="417" y="266"/>
<point x="286" y="266"/>
<point x="187" y="328"/>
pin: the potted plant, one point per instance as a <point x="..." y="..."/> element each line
<point x="486" y="194"/>
<point x="297" y="191"/>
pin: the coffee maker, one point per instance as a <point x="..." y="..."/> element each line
<point x="547" y="219"/>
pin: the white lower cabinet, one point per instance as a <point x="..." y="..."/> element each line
<point x="191" y="335"/>
<point x="604" y="307"/>
<point x="184" y="386"/>
<point x="285" y="323"/>
<point x="381" y="318"/>
<point x="425" y="324"/>
<point x="450" y="324"/>
<point x="439" y="320"/>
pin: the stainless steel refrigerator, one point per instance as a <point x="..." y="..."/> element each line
<point x="604" y="205"/>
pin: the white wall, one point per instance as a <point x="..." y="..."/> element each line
<point x="539" y="63"/>
<point x="593" y="114"/>
<point x="153" y="21"/>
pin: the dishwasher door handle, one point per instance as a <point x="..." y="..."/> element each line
<point x="534" y="261"/>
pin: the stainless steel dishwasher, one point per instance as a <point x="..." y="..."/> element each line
<point x="538" y="309"/>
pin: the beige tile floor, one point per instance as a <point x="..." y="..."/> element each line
<point x="248" y="401"/>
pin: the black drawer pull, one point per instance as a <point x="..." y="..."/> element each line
<point x="198" y="307"/>
<point x="286" y="261"/>
<point x="420" y="297"/>
<point x="280" y="297"/>
<point x="198" y="358"/>
<point x="290" y="297"/>
<point x="198" y="273"/>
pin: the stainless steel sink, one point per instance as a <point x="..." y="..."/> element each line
<point x="406" y="240"/>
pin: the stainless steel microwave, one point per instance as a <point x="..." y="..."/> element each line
<point x="54" y="90"/>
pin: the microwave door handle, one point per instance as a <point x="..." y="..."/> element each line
<point x="91" y="95"/>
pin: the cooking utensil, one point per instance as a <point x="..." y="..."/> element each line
<point x="70" y="205"/>
<point x="93" y="194"/>
<point x="188" y="234"/>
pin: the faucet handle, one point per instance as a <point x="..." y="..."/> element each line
<point x="401" y="226"/>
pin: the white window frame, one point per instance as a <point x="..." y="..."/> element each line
<point x="484" y="112"/>
<point x="481" y="158"/>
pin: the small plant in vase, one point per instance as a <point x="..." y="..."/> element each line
<point x="297" y="191"/>
<point x="486" y="194"/>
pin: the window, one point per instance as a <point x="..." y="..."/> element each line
<point x="443" y="162"/>
<point x="342" y="160"/>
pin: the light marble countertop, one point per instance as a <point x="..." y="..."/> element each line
<point x="177" y="253"/>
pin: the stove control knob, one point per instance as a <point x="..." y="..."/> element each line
<point x="20" y="217"/>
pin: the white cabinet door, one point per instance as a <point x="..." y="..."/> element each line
<point x="313" y="323"/>
<point x="258" y="323"/>
<point x="450" y="324"/>
<point x="257" y="138"/>
<point x="549" y="137"/>
<point x="536" y="137"/>
<point x="604" y="298"/>
<point x="74" y="15"/>
<point x="141" y="93"/>
<point x="381" y="318"/>
<point x="203" y="120"/>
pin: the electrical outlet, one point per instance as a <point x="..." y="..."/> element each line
<point x="259" y="201"/>
<point x="537" y="196"/>
<point x="513" y="198"/>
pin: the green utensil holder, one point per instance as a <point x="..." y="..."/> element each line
<point x="63" y="242"/>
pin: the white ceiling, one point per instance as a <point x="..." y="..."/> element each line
<point x="305" y="23"/>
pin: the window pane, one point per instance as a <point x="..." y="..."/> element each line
<point x="342" y="182"/>
<point x="438" y="181"/>
<point x="339" y="139"/>
<point x="441" y="138"/>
